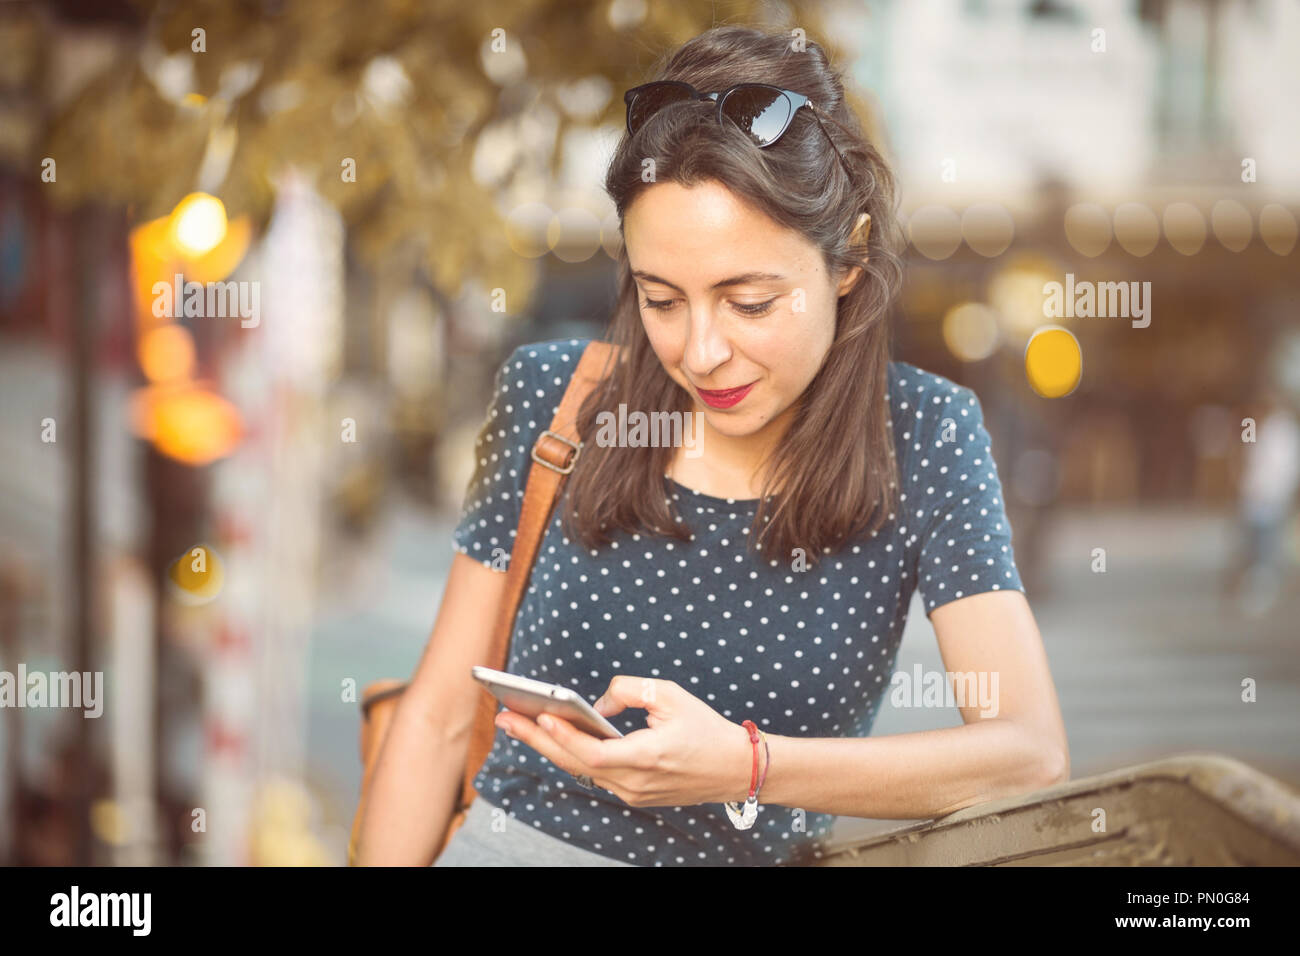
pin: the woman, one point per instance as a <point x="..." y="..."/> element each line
<point x="764" y="572"/>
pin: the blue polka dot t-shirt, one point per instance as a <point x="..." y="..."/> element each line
<point x="801" y="653"/>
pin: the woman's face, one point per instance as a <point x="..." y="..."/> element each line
<point x="730" y="298"/>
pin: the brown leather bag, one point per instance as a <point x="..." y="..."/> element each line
<point x="554" y="454"/>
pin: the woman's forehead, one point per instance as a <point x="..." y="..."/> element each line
<point x="705" y="205"/>
<point x="706" y="234"/>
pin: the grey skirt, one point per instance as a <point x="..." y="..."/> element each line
<point x="516" y="843"/>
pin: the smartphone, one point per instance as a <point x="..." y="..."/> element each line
<point x="534" y="697"/>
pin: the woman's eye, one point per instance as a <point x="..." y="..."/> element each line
<point x="757" y="308"/>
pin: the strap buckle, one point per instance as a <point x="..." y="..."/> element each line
<point x="576" y="446"/>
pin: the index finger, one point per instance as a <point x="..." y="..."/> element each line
<point x="596" y="752"/>
<point x="626" y="690"/>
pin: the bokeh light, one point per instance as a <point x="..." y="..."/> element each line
<point x="166" y="353"/>
<point x="198" y="223"/>
<point x="935" y="231"/>
<point x="193" y="426"/>
<point x="1053" y="362"/>
<point x="611" y="238"/>
<point x="1087" y="228"/>
<point x="1185" y="227"/>
<point x="1016" y="293"/>
<point x="988" y="228"/>
<point x="1277" y="227"/>
<point x="528" y="229"/>
<point x="1231" y="223"/>
<point x="970" y="330"/>
<point x="576" y="234"/>
<point x="1137" y="228"/>
<point x="196" y="577"/>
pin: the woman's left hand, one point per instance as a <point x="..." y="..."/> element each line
<point x="688" y="754"/>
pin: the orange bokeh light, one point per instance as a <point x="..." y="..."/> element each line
<point x="184" y="420"/>
<point x="189" y="423"/>
<point x="166" y="353"/>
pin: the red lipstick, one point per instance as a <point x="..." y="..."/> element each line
<point x="723" y="398"/>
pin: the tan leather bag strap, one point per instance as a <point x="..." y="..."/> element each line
<point x="554" y="454"/>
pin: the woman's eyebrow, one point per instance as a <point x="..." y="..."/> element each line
<point x="734" y="280"/>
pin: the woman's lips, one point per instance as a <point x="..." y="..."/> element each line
<point x="723" y="398"/>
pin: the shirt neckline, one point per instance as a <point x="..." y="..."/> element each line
<point x="712" y="499"/>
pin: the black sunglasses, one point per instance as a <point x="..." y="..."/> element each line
<point x="764" y="112"/>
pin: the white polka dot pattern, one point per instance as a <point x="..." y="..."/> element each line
<point x="952" y="494"/>
<point x="803" y="654"/>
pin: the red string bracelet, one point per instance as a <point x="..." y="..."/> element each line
<point x="753" y="739"/>
<point x="767" y="761"/>
<point x="743" y="818"/>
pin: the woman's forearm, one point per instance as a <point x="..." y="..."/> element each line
<point x="914" y="776"/>
<point x="414" y="788"/>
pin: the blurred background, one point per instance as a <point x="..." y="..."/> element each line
<point x="241" y="518"/>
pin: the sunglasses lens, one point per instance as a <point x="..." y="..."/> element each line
<point x="652" y="99"/>
<point x="760" y="112"/>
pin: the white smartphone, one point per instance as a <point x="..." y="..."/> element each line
<point x="534" y="697"/>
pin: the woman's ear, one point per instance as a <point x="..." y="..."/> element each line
<point x="849" y="281"/>
<point x="861" y="230"/>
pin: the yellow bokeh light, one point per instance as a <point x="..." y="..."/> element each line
<point x="198" y="223"/>
<point x="221" y="260"/>
<point x="1053" y="362"/>
<point x="156" y="257"/>
<point x="196" y="576"/>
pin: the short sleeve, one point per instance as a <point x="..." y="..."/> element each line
<point x="494" y="497"/>
<point x="966" y="539"/>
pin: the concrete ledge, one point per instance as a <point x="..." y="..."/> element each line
<point x="1185" y="810"/>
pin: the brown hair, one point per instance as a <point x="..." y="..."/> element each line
<point x="835" y="465"/>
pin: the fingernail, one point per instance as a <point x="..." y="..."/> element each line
<point x="544" y="722"/>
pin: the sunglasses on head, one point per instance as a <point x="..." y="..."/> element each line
<point x="762" y="111"/>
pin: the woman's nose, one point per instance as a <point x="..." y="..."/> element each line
<point x="706" y="345"/>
